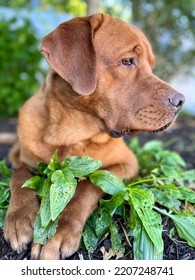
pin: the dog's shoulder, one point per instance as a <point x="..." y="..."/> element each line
<point x="32" y="124"/>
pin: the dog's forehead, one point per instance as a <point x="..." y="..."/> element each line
<point x="116" y="35"/>
<point x="116" y="38"/>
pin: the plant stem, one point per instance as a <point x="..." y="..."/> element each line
<point x="163" y="212"/>
<point x="149" y="180"/>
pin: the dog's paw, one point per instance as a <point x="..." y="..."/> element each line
<point x="63" y="244"/>
<point x="18" y="228"/>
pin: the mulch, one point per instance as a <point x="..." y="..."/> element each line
<point x="181" y="138"/>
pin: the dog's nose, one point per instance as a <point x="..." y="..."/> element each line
<point x="177" y="100"/>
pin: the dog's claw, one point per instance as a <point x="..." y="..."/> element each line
<point x="63" y="256"/>
<point x="35" y="251"/>
<point x="21" y="248"/>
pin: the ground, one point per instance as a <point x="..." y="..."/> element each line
<point x="182" y="140"/>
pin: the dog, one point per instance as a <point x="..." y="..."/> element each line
<point x="100" y="87"/>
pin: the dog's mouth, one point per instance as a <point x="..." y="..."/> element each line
<point x="130" y="132"/>
<point x="117" y="134"/>
<point x="161" y="128"/>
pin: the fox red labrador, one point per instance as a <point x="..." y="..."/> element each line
<point x="99" y="88"/>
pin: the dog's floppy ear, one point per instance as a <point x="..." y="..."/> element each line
<point x="70" y="52"/>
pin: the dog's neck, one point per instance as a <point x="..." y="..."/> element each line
<point x="71" y="123"/>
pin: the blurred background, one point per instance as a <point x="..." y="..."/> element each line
<point x="169" y="25"/>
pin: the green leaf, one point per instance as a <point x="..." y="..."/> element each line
<point x="45" y="203"/>
<point x="152" y="224"/>
<point x="153" y="146"/>
<point x="116" y="239"/>
<point x="81" y="166"/>
<point x="185" y="225"/>
<point x="42" y="166"/>
<point x="35" y="183"/>
<point x="102" y="223"/>
<point x="179" y="192"/>
<point x="89" y="236"/>
<point x="186" y="194"/>
<point x="4" y="183"/>
<point x="5" y="174"/>
<point x="62" y="190"/>
<point x="166" y="199"/>
<point x="141" y="198"/>
<point x="115" y="201"/>
<point x="4" y="194"/>
<point x="2" y="216"/>
<point x="41" y="234"/>
<point x="143" y="247"/>
<point x="107" y="181"/>
<point x="54" y="164"/>
<point x="4" y="170"/>
<point x="170" y="172"/>
<point x="142" y="201"/>
<point x="134" y="144"/>
<point x="52" y="226"/>
<point x="169" y="158"/>
<point x="189" y="176"/>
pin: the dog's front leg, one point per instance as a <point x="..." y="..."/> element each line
<point x="71" y="222"/>
<point x="22" y="211"/>
<point x="72" y="219"/>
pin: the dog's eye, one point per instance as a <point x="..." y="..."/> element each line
<point x="128" y="61"/>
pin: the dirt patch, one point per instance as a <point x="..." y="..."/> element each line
<point x="181" y="138"/>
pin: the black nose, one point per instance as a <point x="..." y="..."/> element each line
<point x="177" y="100"/>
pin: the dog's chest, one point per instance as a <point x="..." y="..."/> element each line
<point x="79" y="149"/>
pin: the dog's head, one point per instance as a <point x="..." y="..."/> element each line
<point x="108" y="64"/>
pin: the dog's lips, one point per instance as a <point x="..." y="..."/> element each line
<point x="130" y="132"/>
<point x="117" y="134"/>
<point x="161" y="128"/>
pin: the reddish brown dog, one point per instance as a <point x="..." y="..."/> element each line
<point x="99" y="88"/>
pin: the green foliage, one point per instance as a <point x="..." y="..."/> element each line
<point x="144" y="248"/>
<point x="20" y="58"/>
<point x="154" y="186"/>
<point x="14" y="3"/>
<point x="155" y="193"/>
<point x="185" y="224"/>
<point x="169" y="25"/>
<point x="58" y="183"/>
<point x="5" y="174"/>
<point x="107" y="181"/>
<point x="142" y="203"/>
<point x="74" y="7"/>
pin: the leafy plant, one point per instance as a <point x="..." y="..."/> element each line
<point x="20" y="61"/>
<point x="56" y="185"/>
<point x="5" y="174"/>
<point x="158" y="191"/>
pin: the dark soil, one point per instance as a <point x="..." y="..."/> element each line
<point x="181" y="138"/>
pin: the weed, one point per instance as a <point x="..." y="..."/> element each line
<point x="160" y="189"/>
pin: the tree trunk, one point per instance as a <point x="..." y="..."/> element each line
<point x="93" y="6"/>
